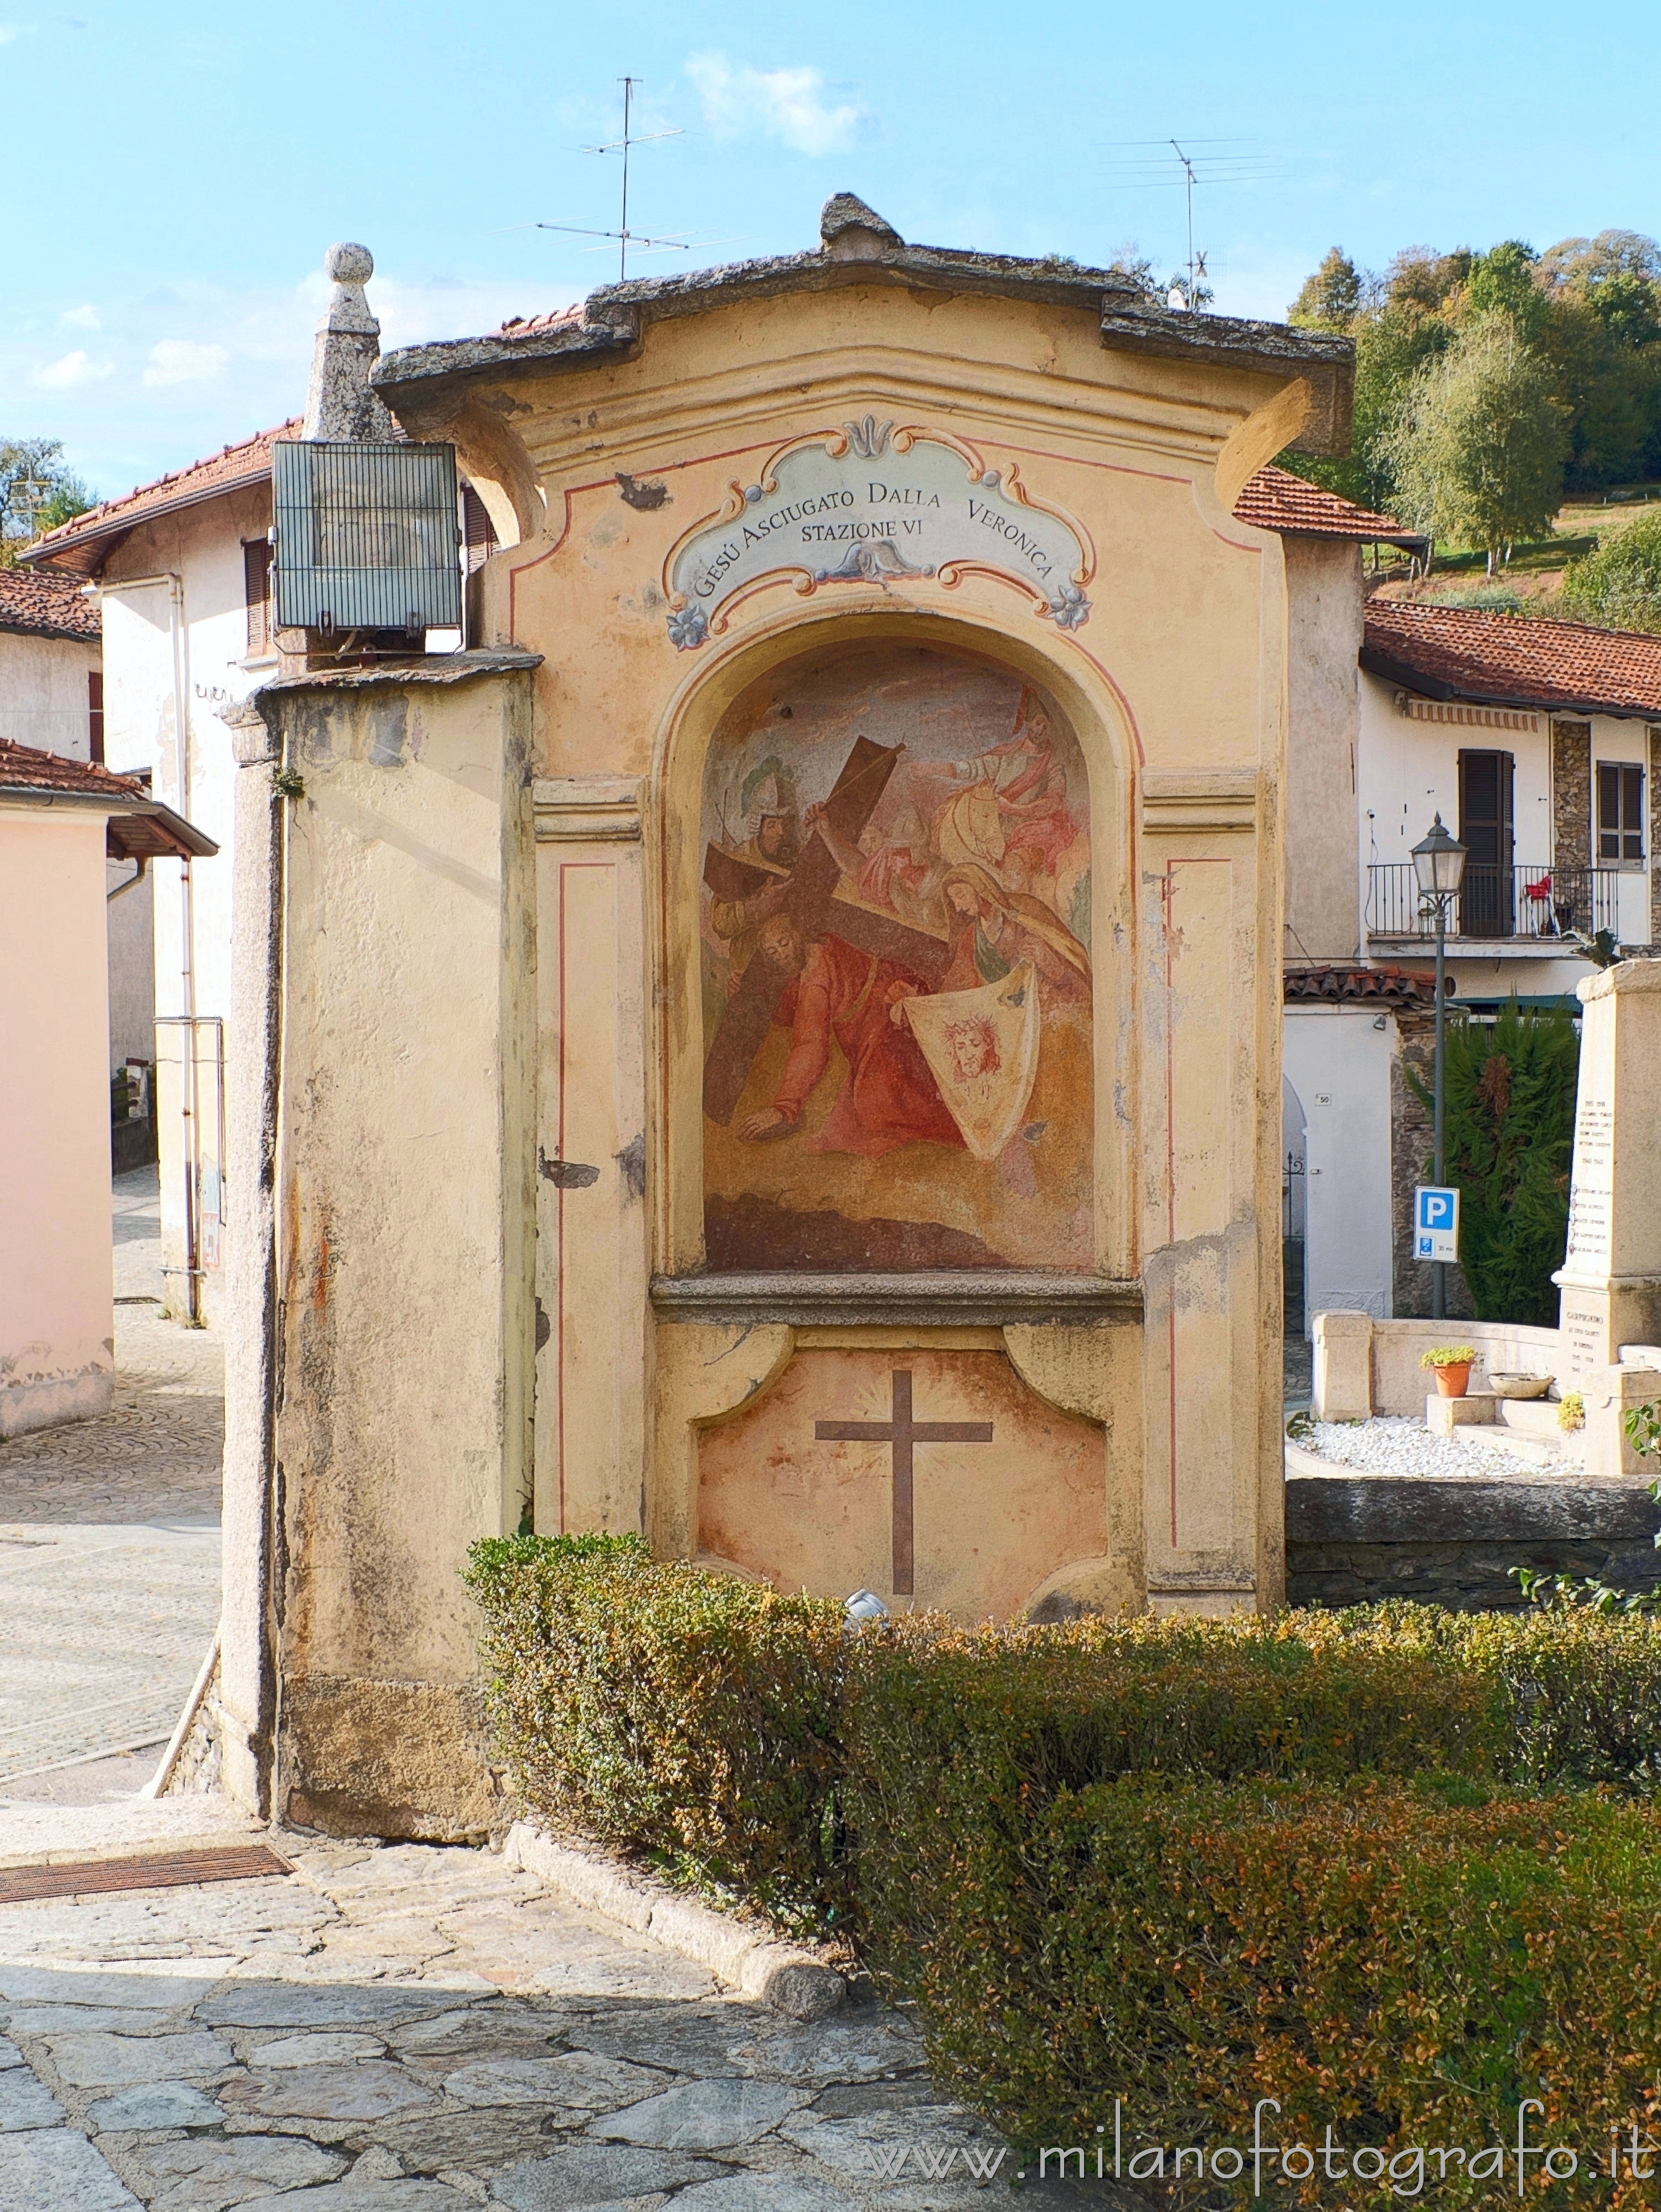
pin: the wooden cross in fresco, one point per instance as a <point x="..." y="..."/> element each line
<point x="903" y="1433"/>
<point x="811" y="901"/>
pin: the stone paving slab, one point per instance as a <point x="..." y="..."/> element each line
<point x="417" y="2029"/>
<point x="106" y="1630"/>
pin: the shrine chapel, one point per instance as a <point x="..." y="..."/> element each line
<point x="774" y="1045"/>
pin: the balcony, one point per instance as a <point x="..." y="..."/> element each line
<point x="1513" y="906"/>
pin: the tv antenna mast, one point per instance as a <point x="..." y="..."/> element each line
<point x="1195" y="262"/>
<point x="623" y="235"/>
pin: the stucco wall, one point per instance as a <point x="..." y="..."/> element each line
<point x="406" y="1209"/>
<point x="1325" y="606"/>
<point x="1338" y="1062"/>
<point x="43" y="693"/>
<point x="57" y="1322"/>
<point x="131" y="917"/>
<point x="1178" y="678"/>
<point x="203" y="545"/>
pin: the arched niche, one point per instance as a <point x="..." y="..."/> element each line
<point x="895" y="929"/>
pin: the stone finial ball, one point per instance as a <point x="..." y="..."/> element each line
<point x="347" y="263"/>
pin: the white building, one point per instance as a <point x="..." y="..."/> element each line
<point x="51" y="699"/>
<point x="1538" y="743"/>
<point x="180" y="570"/>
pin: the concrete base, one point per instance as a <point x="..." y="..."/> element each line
<point x="397" y="1760"/>
<point x="25" y="1406"/>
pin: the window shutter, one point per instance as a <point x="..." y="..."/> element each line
<point x="257" y="590"/>
<point x="95" y="716"/>
<point x="478" y="529"/>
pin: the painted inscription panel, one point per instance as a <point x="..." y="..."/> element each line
<point x="936" y="1479"/>
<point x="868" y="503"/>
<point x="897" y="971"/>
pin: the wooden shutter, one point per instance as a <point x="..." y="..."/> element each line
<point x="479" y="531"/>
<point x="95" y="716"/>
<point x="257" y="590"/>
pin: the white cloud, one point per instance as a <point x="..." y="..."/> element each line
<point x="8" y="33"/>
<point x="74" y="369"/>
<point x="182" y="361"/>
<point x="80" y="319"/>
<point x="788" y="104"/>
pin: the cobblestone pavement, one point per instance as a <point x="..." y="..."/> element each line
<point x="109" y="1544"/>
<point x="416" y="2029"/>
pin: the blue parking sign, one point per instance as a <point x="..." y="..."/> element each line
<point x="1435" y="1223"/>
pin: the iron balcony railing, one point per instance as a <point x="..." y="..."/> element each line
<point x="1504" y="903"/>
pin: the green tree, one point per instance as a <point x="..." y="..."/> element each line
<point x="1619" y="586"/>
<point x="1509" y="1148"/>
<point x="1331" y="297"/>
<point x="37" y="491"/>
<point x="1421" y="280"/>
<point x="1502" y="282"/>
<point x="1476" y="446"/>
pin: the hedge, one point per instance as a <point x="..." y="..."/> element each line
<point x="688" y="1717"/>
<point x="1035" y="1833"/>
<point x="1404" y="1966"/>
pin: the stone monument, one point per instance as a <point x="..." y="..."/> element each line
<point x="1610" y="1278"/>
<point x="775" y="1046"/>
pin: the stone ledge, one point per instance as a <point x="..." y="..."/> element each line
<point x="1325" y="1507"/>
<point x="991" y="1298"/>
<point x="786" y="1977"/>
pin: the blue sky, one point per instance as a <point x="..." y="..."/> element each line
<point x="179" y="166"/>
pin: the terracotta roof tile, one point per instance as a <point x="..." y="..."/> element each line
<point x="26" y="768"/>
<point x="1276" y="500"/>
<point x="1381" y="986"/>
<point x="80" y="545"/>
<point x="47" y="606"/>
<point x="1512" y="660"/>
<point x="531" y="326"/>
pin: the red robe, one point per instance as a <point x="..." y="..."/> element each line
<point x="890" y="1097"/>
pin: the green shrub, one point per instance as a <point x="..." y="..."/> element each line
<point x="1619" y="586"/>
<point x="1389" y="1960"/>
<point x="1510" y="1092"/>
<point x="1187" y="1862"/>
<point x="687" y="1716"/>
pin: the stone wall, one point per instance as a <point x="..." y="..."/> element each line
<point x="1413" y="1140"/>
<point x="1571" y="794"/>
<point x="1355" y="1539"/>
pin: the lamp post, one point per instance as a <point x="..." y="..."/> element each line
<point x="1438" y="862"/>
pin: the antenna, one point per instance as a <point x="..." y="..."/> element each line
<point x="1188" y="172"/>
<point x="625" y="236"/>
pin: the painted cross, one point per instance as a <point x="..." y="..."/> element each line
<point x="903" y="1433"/>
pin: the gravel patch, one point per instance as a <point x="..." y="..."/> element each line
<point x="1400" y="1445"/>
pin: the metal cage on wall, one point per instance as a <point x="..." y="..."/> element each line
<point x="366" y="537"/>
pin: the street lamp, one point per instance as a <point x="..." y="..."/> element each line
<point x="1438" y="862"/>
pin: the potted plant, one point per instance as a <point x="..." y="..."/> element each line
<point x="1450" y="1363"/>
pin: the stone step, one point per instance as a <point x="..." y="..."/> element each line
<point x="1538" y="1450"/>
<point x="1531" y="1417"/>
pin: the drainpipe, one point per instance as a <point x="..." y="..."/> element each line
<point x="178" y="639"/>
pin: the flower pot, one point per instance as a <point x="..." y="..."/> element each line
<point x="1451" y="1382"/>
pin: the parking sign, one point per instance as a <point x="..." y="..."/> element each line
<point x="1435" y="1223"/>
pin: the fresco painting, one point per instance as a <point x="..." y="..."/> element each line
<point x="897" y="971"/>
